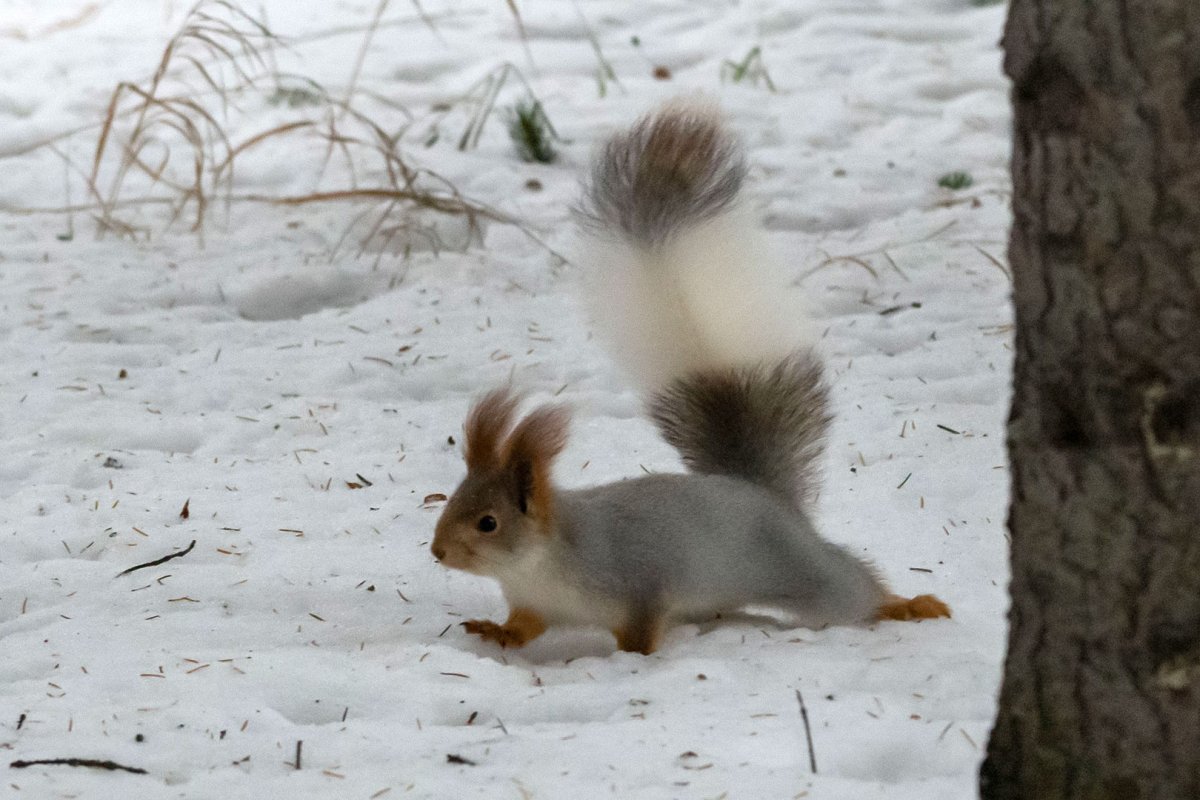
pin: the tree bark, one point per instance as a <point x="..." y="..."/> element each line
<point x="1101" y="692"/>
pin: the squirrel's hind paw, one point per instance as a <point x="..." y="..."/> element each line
<point x="923" y="606"/>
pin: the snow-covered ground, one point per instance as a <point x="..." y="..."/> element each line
<point x="301" y="399"/>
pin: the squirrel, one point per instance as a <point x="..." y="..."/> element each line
<point x="747" y="414"/>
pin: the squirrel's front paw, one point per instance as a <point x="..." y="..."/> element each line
<point x="486" y="630"/>
<point x="522" y="626"/>
<point x="923" y="606"/>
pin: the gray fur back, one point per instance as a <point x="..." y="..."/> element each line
<point x="694" y="545"/>
<point x="762" y="423"/>
<point x="672" y="170"/>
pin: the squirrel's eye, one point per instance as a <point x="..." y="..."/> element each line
<point x="487" y="523"/>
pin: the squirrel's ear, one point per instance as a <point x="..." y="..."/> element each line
<point x="489" y="420"/>
<point x="529" y="453"/>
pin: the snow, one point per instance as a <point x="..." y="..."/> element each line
<point x="256" y="377"/>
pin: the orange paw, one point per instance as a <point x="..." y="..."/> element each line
<point x="923" y="606"/>
<point x="485" y="629"/>
<point x="641" y="639"/>
<point x="521" y="627"/>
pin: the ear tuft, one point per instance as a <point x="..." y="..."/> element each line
<point x="529" y="454"/>
<point x="487" y="423"/>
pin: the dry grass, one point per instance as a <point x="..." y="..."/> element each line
<point x="605" y="73"/>
<point x="218" y="42"/>
<point x="169" y="142"/>
<point x="865" y="259"/>
<point x="479" y="104"/>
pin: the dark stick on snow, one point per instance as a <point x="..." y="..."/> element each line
<point x="79" y="762"/>
<point x="812" y="756"/>
<point x="299" y="744"/>
<point x="158" y="561"/>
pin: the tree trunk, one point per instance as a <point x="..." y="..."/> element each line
<point x="1101" y="693"/>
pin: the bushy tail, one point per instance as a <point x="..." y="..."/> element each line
<point x="680" y="280"/>
<point x="764" y="423"/>
<point x="670" y="172"/>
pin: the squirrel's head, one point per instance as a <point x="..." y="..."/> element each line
<point x="505" y="505"/>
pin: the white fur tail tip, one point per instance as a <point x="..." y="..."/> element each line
<point x="680" y="278"/>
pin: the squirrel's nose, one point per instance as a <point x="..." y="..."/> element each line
<point x="439" y="552"/>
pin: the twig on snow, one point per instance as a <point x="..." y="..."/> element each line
<point x="812" y="756"/>
<point x="158" y="561"/>
<point x="79" y="762"/>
